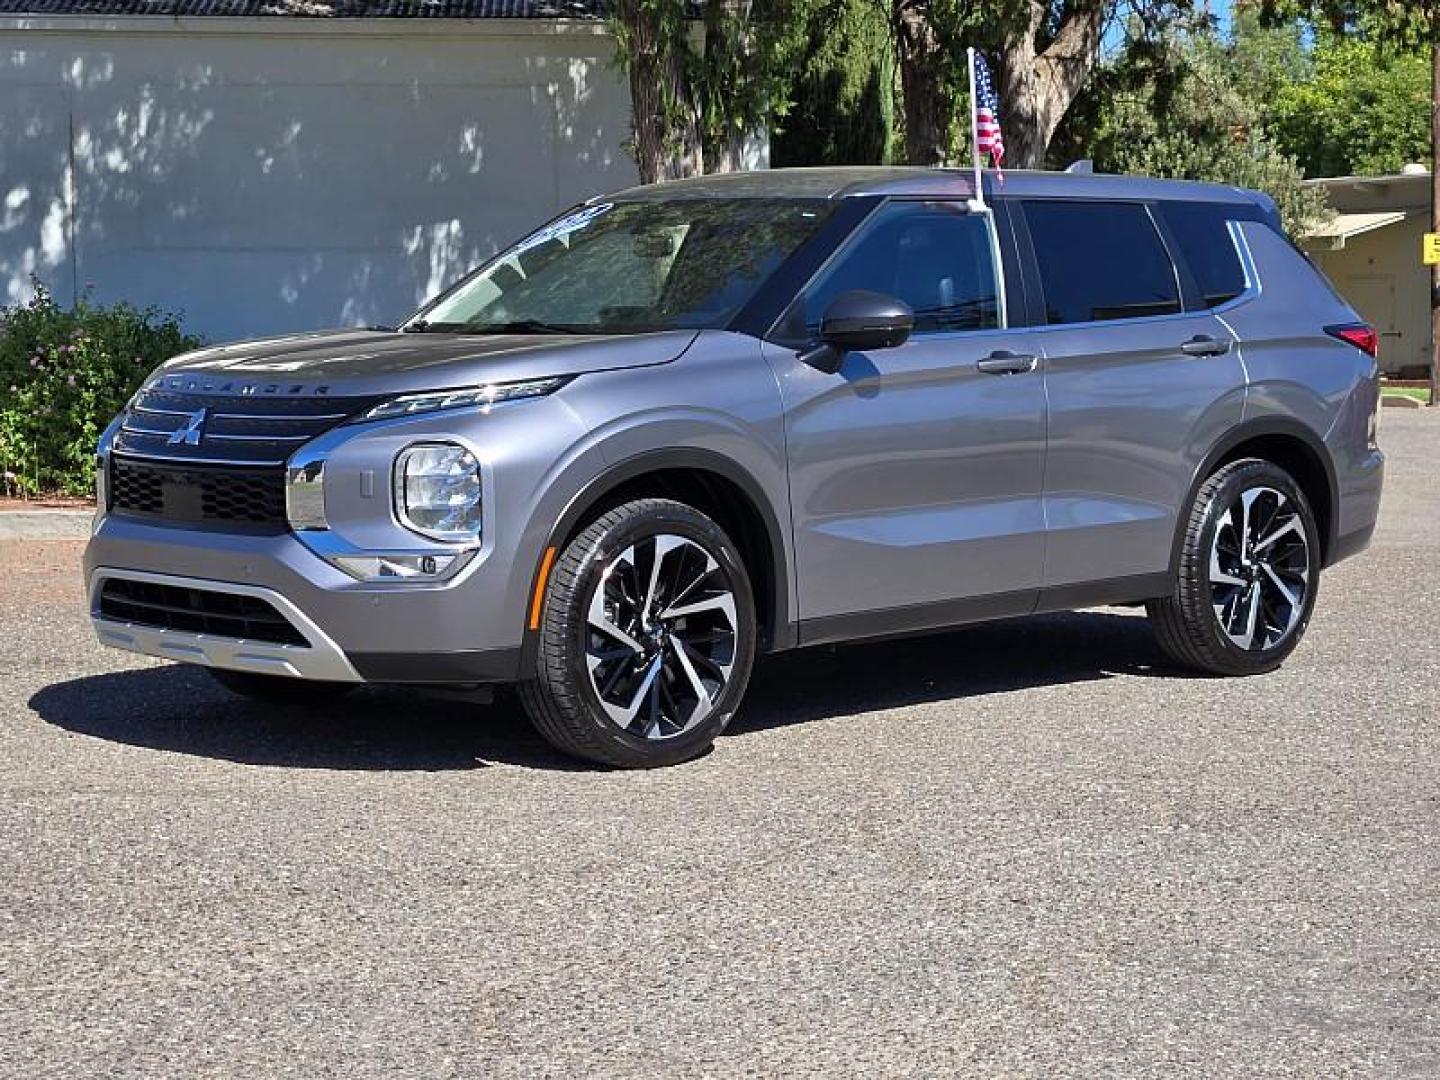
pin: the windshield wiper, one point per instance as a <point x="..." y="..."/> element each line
<point x="522" y="326"/>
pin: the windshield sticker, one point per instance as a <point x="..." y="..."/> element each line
<point x="558" y="230"/>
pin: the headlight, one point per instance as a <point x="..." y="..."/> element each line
<point x="437" y="492"/>
<point x="410" y="404"/>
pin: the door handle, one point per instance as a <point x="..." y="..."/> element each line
<point x="1004" y="362"/>
<point x="1205" y="345"/>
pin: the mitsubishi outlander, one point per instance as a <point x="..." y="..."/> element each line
<point x="689" y="424"/>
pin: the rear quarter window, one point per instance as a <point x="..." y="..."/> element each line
<point x="1203" y="234"/>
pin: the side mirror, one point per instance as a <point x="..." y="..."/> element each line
<point x="859" y="321"/>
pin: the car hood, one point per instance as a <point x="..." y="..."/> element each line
<point x="379" y="362"/>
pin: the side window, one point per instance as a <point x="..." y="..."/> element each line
<point x="1101" y="261"/>
<point x="935" y="256"/>
<point x="1204" y="238"/>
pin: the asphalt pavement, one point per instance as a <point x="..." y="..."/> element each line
<point x="1026" y="848"/>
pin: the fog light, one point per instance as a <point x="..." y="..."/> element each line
<point x="437" y="492"/>
<point x="397" y="567"/>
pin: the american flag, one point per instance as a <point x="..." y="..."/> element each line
<point x="987" y="114"/>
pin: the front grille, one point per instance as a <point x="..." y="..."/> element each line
<point x="197" y="611"/>
<point x="251" y="497"/>
<point x="179" y="419"/>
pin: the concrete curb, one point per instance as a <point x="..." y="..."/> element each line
<point x="44" y="524"/>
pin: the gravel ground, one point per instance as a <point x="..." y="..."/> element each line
<point x="1018" y="849"/>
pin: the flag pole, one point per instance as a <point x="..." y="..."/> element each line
<point x="979" y="198"/>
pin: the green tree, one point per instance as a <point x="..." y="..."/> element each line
<point x="1188" y="116"/>
<point x="694" y="104"/>
<point x="841" y="89"/>
<point x="1044" y="53"/>
<point x="652" y="47"/>
<point x="1266" y="59"/>
<point x="1364" y="109"/>
<point x="1396" y="22"/>
<point x="750" y="46"/>
<point x="929" y="40"/>
<point x="696" y="97"/>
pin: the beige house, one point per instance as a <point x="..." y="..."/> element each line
<point x="1371" y="251"/>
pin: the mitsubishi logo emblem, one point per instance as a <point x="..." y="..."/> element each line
<point x="191" y="431"/>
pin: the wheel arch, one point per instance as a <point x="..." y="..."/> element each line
<point x="716" y="486"/>
<point x="1287" y="443"/>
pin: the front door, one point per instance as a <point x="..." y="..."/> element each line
<point x="915" y="472"/>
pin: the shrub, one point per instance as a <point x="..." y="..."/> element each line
<point x="64" y="373"/>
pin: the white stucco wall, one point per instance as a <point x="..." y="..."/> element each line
<point x="270" y="175"/>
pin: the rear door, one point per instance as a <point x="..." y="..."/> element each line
<point x="1141" y="376"/>
<point x="916" y="471"/>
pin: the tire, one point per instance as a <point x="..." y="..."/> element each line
<point x="624" y="675"/>
<point x="1249" y="572"/>
<point x="278" y="689"/>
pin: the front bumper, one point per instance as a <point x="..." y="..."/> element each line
<point x="318" y="658"/>
<point x="451" y="632"/>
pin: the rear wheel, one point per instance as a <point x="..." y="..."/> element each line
<point x="647" y="638"/>
<point x="1249" y="572"/>
<point x="279" y="689"/>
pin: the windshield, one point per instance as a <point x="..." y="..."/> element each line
<point x="627" y="268"/>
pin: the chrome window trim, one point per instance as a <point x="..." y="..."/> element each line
<point x="1253" y="285"/>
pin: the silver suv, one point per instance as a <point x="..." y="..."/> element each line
<point x="684" y="425"/>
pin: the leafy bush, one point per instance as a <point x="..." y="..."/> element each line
<point x="64" y="373"/>
<point x="1364" y="110"/>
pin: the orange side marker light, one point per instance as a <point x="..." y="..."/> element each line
<point x="539" y="599"/>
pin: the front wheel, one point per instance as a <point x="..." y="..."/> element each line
<point x="646" y="640"/>
<point x="1249" y="572"/>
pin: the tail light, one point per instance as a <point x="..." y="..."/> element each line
<point x="1361" y="335"/>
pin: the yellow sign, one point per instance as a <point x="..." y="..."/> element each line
<point x="1432" y="249"/>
